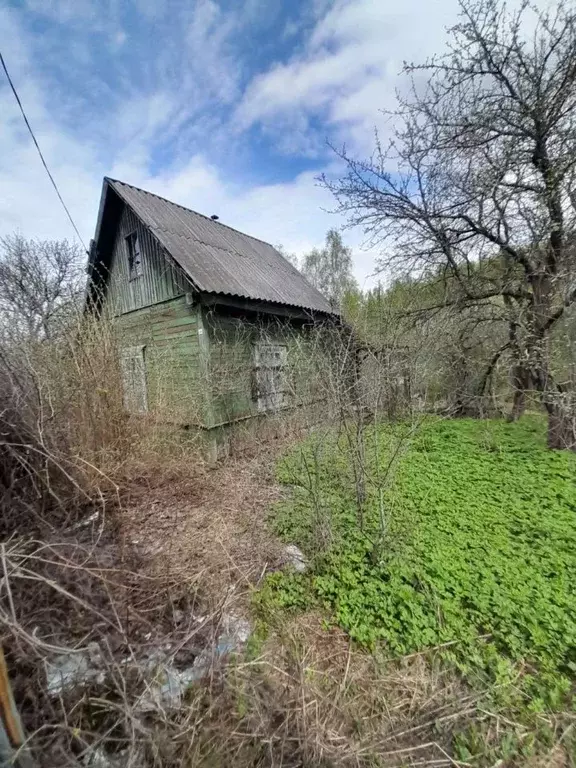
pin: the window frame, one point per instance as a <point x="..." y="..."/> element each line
<point x="135" y="266"/>
<point x="270" y="375"/>
<point x="134" y="379"/>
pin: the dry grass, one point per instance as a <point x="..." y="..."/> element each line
<point x="309" y="699"/>
<point x="209" y="520"/>
<point x="557" y="757"/>
<point x="304" y="697"/>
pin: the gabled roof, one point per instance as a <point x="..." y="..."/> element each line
<point x="216" y="258"/>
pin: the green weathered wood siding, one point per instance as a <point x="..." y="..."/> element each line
<point x="168" y="332"/>
<point x="160" y="279"/>
<point x="230" y="363"/>
<point x="230" y="344"/>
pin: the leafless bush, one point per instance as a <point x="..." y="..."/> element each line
<point x="89" y="638"/>
<point x="41" y="286"/>
<point x="344" y="384"/>
<point x="63" y="429"/>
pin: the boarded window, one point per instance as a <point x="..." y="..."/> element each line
<point x="270" y="376"/>
<point x="134" y="379"/>
<point x="134" y="256"/>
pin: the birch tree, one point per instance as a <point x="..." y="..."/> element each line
<point x="330" y="268"/>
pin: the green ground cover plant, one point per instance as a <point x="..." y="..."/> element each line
<point x="479" y="553"/>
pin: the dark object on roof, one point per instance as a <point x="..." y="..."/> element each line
<point x="216" y="258"/>
<point x="214" y="217"/>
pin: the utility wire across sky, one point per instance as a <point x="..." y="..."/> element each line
<point x="15" y="92"/>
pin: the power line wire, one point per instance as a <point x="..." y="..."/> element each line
<point x="15" y="92"/>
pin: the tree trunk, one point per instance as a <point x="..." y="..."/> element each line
<point x="561" y="429"/>
<point x="520" y="382"/>
<point x="518" y="406"/>
<point x="481" y="398"/>
<point x="561" y="420"/>
<point x="560" y="406"/>
<point x="519" y="373"/>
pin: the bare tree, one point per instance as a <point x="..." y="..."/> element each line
<point x="482" y="168"/>
<point x="39" y="283"/>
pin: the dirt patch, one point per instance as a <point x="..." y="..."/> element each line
<point x="210" y="522"/>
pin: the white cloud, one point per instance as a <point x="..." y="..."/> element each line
<point x="290" y="213"/>
<point x="349" y="68"/>
<point x="143" y="115"/>
<point x="208" y="37"/>
<point x="345" y="70"/>
<point x="178" y="85"/>
<point x="120" y="38"/>
<point x="28" y="202"/>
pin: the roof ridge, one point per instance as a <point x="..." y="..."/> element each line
<point x="205" y="254"/>
<point x="196" y="213"/>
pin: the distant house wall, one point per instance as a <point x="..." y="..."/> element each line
<point x="160" y="279"/>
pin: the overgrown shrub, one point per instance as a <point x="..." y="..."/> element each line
<point x="63" y="428"/>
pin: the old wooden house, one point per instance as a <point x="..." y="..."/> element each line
<point x="206" y="314"/>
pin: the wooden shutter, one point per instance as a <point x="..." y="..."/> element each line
<point x="134" y="379"/>
<point x="270" y="375"/>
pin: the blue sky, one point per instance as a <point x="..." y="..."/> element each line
<point x="219" y="105"/>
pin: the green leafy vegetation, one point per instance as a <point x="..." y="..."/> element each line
<point x="479" y="555"/>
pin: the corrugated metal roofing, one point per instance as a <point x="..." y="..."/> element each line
<point x="219" y="259"/>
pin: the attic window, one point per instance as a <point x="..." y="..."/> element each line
<point x="134" y="256"/>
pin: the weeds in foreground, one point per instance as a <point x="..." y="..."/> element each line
<point x="481" y="560"/>
<point x="298" y="695"/>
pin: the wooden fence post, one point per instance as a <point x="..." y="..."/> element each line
<point x="12" y="738"/>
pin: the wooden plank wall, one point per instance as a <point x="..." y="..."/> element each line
<point x="231" y="363"/>
<point x="168" y="331"/>
<point x="230" y="366"/>
<point x="160" y="279"/>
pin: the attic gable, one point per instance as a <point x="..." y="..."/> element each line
<point x="216" y="258"/>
